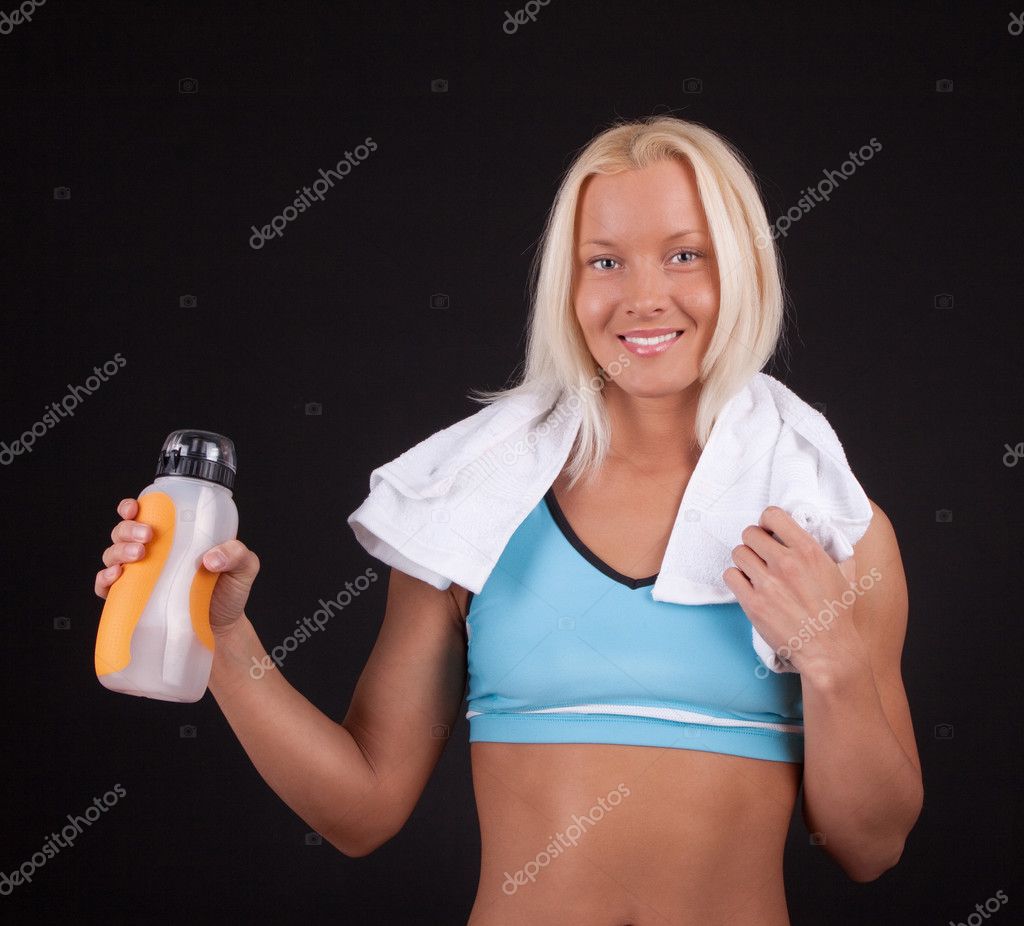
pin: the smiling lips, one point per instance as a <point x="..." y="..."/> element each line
<point x="651" y="341"/>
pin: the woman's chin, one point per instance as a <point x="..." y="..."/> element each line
<point x="649" y="387"/>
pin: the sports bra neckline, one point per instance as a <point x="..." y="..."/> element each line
<point x="558" y="516"/>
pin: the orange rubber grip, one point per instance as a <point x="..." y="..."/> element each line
<point x="127" y="597"/>
<point x="199" y="604"/>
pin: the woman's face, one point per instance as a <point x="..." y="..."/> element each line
<point x="644" y="265"/>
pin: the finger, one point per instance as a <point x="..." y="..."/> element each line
<point x="123" y="553"/>
<point x="749" y="563"/>
<point x="781" y="524"/>
<point x="762" y="542"/>
<point x="232" y="556"/>
<point x="131" y="530"/>
<point x="127" y="507"/>
<point x="105" y="578"/>
<point x="737" y="582"/>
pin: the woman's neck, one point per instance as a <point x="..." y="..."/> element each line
<point x="653" y="434"/>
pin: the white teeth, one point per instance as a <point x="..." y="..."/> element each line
<point x="658" y="340"/>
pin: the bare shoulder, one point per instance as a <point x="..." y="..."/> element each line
<point x="878" y="547"/>
<point x="880" y="528"/>
<point x="881" y="584"/>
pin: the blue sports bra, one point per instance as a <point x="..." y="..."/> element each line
<point x="564" y="649"/>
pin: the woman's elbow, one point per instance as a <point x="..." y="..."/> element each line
<point x="354" y="848"/>
<point x="353" y="851"/>
<point x="358" y="843"/>
<point x="865" y="870"/>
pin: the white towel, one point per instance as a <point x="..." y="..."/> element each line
<point x="444" y="510"/>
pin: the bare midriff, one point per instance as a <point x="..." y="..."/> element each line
<point x="672" y="836"/>
<point x="609" y="835"/>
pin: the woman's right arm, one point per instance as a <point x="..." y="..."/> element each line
<point x="355" y="782"/>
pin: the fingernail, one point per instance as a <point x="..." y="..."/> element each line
<point x="139" y="532"/>
<point x="215" y="560"/>
<point x="133" y="549"/>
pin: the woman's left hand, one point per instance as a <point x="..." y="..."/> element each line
<point x="796" y="596"/>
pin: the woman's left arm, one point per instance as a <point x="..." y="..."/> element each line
<point x="842" y="627"/>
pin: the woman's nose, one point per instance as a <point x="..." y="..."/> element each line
<point x="646" y="289"/>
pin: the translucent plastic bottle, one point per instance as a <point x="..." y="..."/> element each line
<point x="154" y="638"/>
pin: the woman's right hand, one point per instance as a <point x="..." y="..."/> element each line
<point x="238" y="567"/>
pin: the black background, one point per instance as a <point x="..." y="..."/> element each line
<point x="164" y="187"/>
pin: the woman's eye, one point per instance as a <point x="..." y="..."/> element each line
<point x="693" y="255"/>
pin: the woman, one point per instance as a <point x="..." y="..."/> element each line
<point x="649" y="268"/>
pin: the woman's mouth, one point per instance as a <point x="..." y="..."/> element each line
<point x="649" y="345"/>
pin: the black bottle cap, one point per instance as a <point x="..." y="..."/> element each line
<point x="200" y="454"/>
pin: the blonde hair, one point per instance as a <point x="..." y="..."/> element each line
<point x="751" y="304"/>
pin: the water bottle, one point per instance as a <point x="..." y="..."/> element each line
<point x="154" y="638"/>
